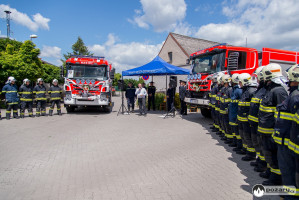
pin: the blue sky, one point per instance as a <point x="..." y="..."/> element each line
<point x="130" y="33"/>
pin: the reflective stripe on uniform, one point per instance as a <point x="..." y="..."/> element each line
<point x="255" y="100"/>
<point x="250" y="149"/>
<point x="242" y="119"/>
<point x="276" y="171"/>
<point x="55" y="98"/>
<point x="267" y="109"/>
<point x="238" y="137"/>
<point x="223" y="112"/>
<point x="11" y="91"/>
<point x="265" y="130"/>
<point x="241" y="103"/>
<point x="13" y="103"/>
<point x="23" y="99"/>
<point x="286" y="116"/>
<point x="54" y="92"/>
<point x="233" y="124"/>
<point x="235" y="101"/>
<point x="40" y="99"/>
<point x="291" y="190"/>
<point x="40" y="92"/>
<point x="8" y="111"/>
<point x="278" y="140"/>
<point x="252" y="118"/>
<point x="25" y="92"/>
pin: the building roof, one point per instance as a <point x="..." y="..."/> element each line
<point x="190" y="44"/>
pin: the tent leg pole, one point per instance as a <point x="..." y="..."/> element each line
<point x="166" y="93"/>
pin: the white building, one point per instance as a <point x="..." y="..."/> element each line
<point x="176" y="50"/>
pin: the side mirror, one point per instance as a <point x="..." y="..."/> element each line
<point x="112" y="72"/>
<point x="188" y="61"/>
<point x="62" y="71"/>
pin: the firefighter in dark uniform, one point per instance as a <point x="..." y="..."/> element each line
<point x="151" y="91"/>
<point x="40" y="97"/>
<point x="130" y="96"/>
<point x="293" y="143"/>
<point x="212" y="98"/>
<point x="55" y="97"/>
<point x="170" y="97"/>
<point x="26" y="97"/>
<point x="233" y="112"/>
<point x="260" y="164"/>
<point x="275" y="95"/>
<point x="11" y="97"/>
<point x="217" y="104"/>
<point x="248" y="85"/>
<point x="182" y="95"/>
<point x="221" y="111"/>
<point x="224" y="103"/>
<point x="284" y="118"/>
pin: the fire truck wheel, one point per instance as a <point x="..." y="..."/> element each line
<point x="205" y="112"/>
<point x="70" y="109"/>
<point x="108" y="109"/>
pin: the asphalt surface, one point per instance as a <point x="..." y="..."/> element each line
<point x="95" y="155"/>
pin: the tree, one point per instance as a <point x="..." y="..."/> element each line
<point x="117" y="76"/>
<point x="78" y="48"/>
<point x="50" y="73"/>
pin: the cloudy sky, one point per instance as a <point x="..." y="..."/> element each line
<point x="131" y="33"/>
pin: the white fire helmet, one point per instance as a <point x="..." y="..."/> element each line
<point x="235" y="78"/>
<point x="219" y="78"/>
<point x="245" y="79"/>
<point x="26" y="80"/>
<point x="293" y="73"/>
<point x="10" y="79"/>
<point x="271" y="71"/>
<point x="259" y="73"/>
<point x="226" y="78"/>
<point x="40" y="80"/>
<point x="55" y="81"/>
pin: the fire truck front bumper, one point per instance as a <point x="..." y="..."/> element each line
<point x="199" y="102"/>
<point x="87" y="101"/>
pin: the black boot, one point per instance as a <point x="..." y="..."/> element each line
<point x="247" y="158"/>
<point x="241" y="152"/>
<point x="254" y="164"/>
<point x="265" y="174"/>
<point x="232" y="145"/>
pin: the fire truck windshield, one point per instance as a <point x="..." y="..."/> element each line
<point x="209" y="64"/>
<point x="88" y="71"/>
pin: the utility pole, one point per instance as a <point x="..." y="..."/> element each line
<point x="8" y="22"/>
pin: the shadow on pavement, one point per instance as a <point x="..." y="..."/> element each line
<point x="252" y="177"/>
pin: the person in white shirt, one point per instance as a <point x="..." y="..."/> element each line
<point x="141" y="94"/>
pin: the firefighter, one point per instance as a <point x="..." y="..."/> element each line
<point x="40" y="96"/>
<point x="248" y="89"/>
<point x="274" y="96"/>
<point x="170" y="94"/>
<point x="284" y="118"/>
<point x="151" y="91"/>
<point x="11" y="97"/>
<point x="217" y="104"/>
<point x="224" y="102"/>
<point x="233" y="112"/>
<point x="260" y="164"/>
<point x="26" y="93"/>
<point x="55" y="97"/>
<point x="212" y="97"/>
<point x="130" y="96"/>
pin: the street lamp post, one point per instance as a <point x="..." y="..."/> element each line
<point x="33" y="36"/>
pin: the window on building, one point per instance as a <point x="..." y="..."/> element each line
<point x="170" y="57"/>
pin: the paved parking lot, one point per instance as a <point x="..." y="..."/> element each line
<point x="93" y="155"/>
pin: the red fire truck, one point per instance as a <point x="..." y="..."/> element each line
<point x="88" y="82"/>
<point x="228" y="59"/>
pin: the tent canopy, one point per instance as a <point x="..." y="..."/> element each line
<point x="156" y="67"/>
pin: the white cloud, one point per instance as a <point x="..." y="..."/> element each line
<point x="124" y="56"/>
<point x="38" y="21"/>
<point x="163" y="15"/>
<point x="272" y="23"/>
<point x="50" y="52"/>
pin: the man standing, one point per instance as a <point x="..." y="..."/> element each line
<point x="151" y="96"/>
<point x="274" y="96"/>
<point x="55" y="97"/>
<point x="130" y="96"/>
<point x="11" y="97"/>
<point x="141" y="95"/>
<point x="40" y="92"/>
<point x="212" y="97"/>
<point x="182" y="95"/>
<point x="170" y="97"/>
<point x="26" y="93"/>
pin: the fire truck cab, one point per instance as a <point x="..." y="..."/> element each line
<point x="228" y="59"/>
<point x="88" y="82"/>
